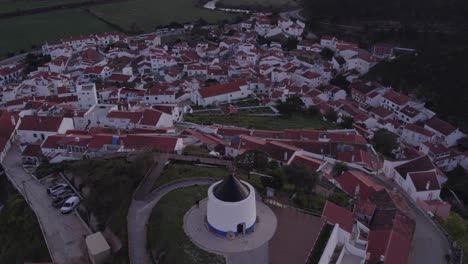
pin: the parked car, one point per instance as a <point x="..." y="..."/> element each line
<point x="60" y="200"/>
<point x="70" y="205"/>
<point x="65" y="194"/>
<point x="55" y="187"/>
<point x="61" y="191"/>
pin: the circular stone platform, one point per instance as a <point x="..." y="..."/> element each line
<point x="196" y="230"/>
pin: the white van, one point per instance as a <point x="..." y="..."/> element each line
<point x="70" y="205"/>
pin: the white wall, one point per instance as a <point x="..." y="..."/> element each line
<point x="225" y="216"/>
<point x="330" y="247"/>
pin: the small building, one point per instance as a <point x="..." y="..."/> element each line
<point x="98" y="248"/>
<point x="231" y="208"/>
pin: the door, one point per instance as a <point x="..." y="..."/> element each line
<point x="241" y="228"/>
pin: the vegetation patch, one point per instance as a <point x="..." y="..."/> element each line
<point x="20" y="235"/>
<point x="30" y="32"/>
<point x="145" y="15"/>
<point x="111" y="184"/>
<point x="296" y="121"/>
<point x="178" y="170"/>
<point x="166" y="235"/>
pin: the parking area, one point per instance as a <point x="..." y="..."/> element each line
<point x="64" y="233"/>
<point x="63" y="196"/>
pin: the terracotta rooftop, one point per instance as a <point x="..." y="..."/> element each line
<point x="335" y="214"/>
<point x="441" y="126"/>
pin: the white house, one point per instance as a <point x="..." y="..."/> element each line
<point x="38" y="128"/>
<point x="415" y="135"/>
<point x="220" y="93"/>
<point x="399" y="170"/>
<point x="445" y="131"/>
<point x="155" y="119"/>
<point x="87" y="95"/>
<point x="423" y="186"/>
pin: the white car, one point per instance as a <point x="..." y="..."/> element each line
<point x="56" y="187"/>
<point x="70" y="205"/>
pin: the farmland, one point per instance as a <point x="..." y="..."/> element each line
<point x="8" y="6"/>
<point x="144" y="15"/>
<point x="22" y="32"/>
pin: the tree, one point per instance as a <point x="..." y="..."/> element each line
<point x="347" y="122"/>
<point x="338" y="169"/>
<point x="292" y="105"/>
<point x="331" y="115"/>
<point x="341" y="82"/>
<point x="313" y="110"/>
<point x="327" y="54"/>
<point x="303" y="178"/>
<point x="252" y="160"/>
<point x="385" y="141"/>
<point x="455" y="225"/>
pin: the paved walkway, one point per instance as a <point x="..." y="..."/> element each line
<point x="195" y="228"/>
<point x="140" y="211"/>
<point x="64" y="234"/>
<point x="429" y="244"/>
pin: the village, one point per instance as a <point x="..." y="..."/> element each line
<point x="106" y="95"/>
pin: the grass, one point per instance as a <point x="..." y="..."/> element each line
<point x="20" y="33"/>
<point x="457" y="228"/>
<point x="263" y="110"/>
<point x="176" y="171"/>
<point x="144" y="15"/>
<point x="179" y="170"/>
<point x="111" y="183"/>
<point x="20" y="235"/>
<point x="8" y="6"/>
<point x="166" y="236"/>
<point x="259" y="122"/>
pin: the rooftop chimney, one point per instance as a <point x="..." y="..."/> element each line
<point x="13" y="121"/>
<point x="428" y="183"/>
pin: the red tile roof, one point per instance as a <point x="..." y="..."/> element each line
<point x="134" y="117"/>
<point x="351" y="179"/>
<point x="6" y="128"/>
<point x="40" y="123"/>
<point x="419" y="164"/>
<point x="419" y="130"/>
<point x="424" y="181"/>
<point x="397" y="98"/>
<point x="221" y="89"/>
<point x="150" y="117"/>
<point x="356" y="156"/>
<point x="150" y="142"/>
<point x="32" y="150"/>
<point x="335" y="214"/>
<point x="309" y="162"/>
<point x="441" y="126"/>
<point x="381" y="112"/>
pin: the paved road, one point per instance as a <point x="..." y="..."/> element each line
<point x="64" y="234"/>
<point x="18" y="58"/>
<point x="429" y="244"/>
<point x="295" y="14"/>
<point x="140" y="211"/>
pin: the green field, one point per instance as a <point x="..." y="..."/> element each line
<point x="258" y="122"/>
<point x="176" y="171"/>
<point x="8" y="6"/>
<point x="22" y="32"/>
<point x="146" y="14"/>
<point x="166" y="236"/>
<point x="20" y="235"/>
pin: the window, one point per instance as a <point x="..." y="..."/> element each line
<point x="34" y="135"/>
